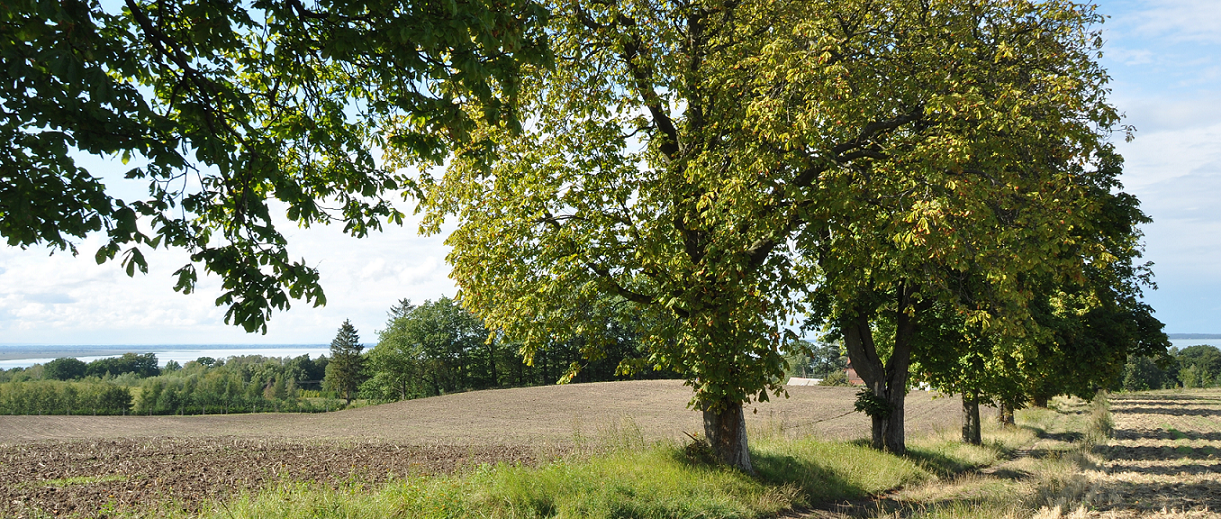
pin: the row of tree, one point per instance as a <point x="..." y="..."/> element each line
<point x="240" y="384"/>
<point x="44" y="397"/>
<point x="931" y="184"/>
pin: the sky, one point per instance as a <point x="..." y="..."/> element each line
<point x="1164" y="57"/>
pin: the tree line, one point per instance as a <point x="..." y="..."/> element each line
<point x="438" y="347"/>
<point x="429" y="349"/>
<point x="134" y="384"/>
<point x="1191" y="367"/>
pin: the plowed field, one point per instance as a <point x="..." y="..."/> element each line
<point x="86" y="465"/>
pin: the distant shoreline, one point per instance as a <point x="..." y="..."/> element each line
<point x="1193" y="336"/>
<point x="34" y="351"/>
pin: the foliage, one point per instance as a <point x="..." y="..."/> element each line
<point x="979" y="184"/>
<point x="1143" y="374"/>
<point x="344" y="371"/>
<point x="1204" y="361"/>
<point x="242" y="384"/>
<point x="1083" y="329"/>
<point x="1191" y="367"/>
<point x="91" y="396"/>
<point x="708" y="160"/>
<point x="835" y="378"/>
<point x="871" y="404"/>
<point x="439" y="347"/>
<point x="223" y="106"/>
<point x="658" y="168"/>
<point x="142" y="365"/>
<point x="814" y="360"/>
<point x="64" y="368"/>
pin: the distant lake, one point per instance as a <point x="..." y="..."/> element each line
<point x="25" y="356"/>
<point x="1183" y="343"/>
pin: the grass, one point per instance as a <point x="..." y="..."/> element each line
<point x="80" y="480"/>
<point x="617" y="474"/>
<point x="1048" y="480"/>
<point x="625" y="477"/>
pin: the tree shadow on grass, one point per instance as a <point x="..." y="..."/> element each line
<point x="1165" y="434"/>
<point x="1161" y="452"/>
<point x="1171" y="411"/>
<point x="817" y="483"/>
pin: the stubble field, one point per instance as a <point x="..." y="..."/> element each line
<point x="90" y="465"/>
<point x="1164" y="458"/>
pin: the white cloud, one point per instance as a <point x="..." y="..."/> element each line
<point x="60" y="299"/>
<point x="1179" y="20"/>
<point x="1130" y="56"/>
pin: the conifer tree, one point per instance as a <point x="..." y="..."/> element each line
<point x="343" y="372"/>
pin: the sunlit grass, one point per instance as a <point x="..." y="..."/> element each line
<point x="615" y="473"/>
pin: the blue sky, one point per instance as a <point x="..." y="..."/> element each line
<point x="1164" y="57"/>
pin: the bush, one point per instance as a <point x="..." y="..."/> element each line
<point x="835" y="378"/>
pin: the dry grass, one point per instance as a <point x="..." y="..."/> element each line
<point x="1144" y="455"/>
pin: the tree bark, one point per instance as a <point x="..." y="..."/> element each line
<point x="725" y="429"/>
<point x="970" y="420"/>
<point x="1005" y="416"/>
<point x="887" y="381"/>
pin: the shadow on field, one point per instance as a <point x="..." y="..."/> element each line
<point x="1168" y="470"/>
<point x="1164" y="452"/>
<point x="1165" y="434"/>
<point x="1156" y="495"/>
<point x="1066" y="437"/>
<point x="1172" y="411"/>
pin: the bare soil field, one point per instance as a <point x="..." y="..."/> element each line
<point x="532" y="416"/>
<point x="1165" y="456"/>
<point x="86" y="465"/>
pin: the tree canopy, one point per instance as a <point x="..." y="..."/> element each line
<point x="1000" y="119"/>
<point x="712" y="161"/>
<point x="223" y="106"/>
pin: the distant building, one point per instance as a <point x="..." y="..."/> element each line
<point x="853" y="378"/>
<point x="799" y="381"/>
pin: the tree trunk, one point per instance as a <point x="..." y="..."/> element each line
<point x="1005" y="416"/>
<point x="1040" y="401"/>
<point x="888" y="381"/>
<point x="970" y="420"/>
<point x="726" y="433"/>
<point x="858" y="338"/>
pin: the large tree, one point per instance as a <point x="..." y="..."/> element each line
<point x="225" y="105"/>
<point x="694" y="158"/>
<point x="985" y="179"/>
<point x="1082" y="327"/>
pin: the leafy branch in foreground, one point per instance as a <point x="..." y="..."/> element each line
<point x="225" y="106"/>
